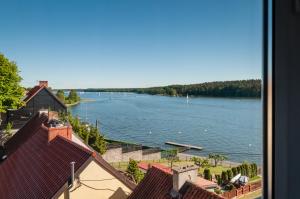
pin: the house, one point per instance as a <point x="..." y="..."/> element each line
<point x="41" y="161"/>
<point x="178" y="184"/>
<point x="38" y="98"/>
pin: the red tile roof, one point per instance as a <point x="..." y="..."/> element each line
<point x="145" y="166"/>
<point x="191" y="191"/>
<point x="157" y="184"/>
<point x="25" y="132"/>
<point x="36" y="168"/>
<point x="205" y="183"/>
<point x="30" y="94"/>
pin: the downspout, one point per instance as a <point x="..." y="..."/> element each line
<point x="72" y="180"/>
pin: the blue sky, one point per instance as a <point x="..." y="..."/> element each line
<point x="132" y="43"/>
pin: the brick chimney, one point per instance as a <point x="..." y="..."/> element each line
<point x="43" y="83"/>
<point x="182" y="174"/>
<point x="64" y="131"/>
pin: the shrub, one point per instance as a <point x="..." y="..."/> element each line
<point x="238" y="169"/>
<point x="219" y="179"/>
<point x="207" y="174"/>
<point x="134" y="171"/>
<point x="234" y="171"/>
<point x="229" y="174"/>
<point x="247" y="170"/>
<point x="8" y="129"/>
<point x="217" y="191"/>
<point x="224" y="176"/>
<point x="229" y="187"/>
<point x="90" y="134"/>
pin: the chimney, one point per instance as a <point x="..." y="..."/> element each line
<point x="43" y="83"/>
<point x="56" y="128"/>
<point x="182" y="174"/>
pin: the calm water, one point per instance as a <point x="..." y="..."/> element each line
<point x="218" y="124"/>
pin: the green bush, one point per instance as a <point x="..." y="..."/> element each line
<point x="224" y="176"/>
<point x="229" y="174"/>
<point x="234" y="171"/>
<point x="219" y="179"/>
<point x="90" y="134"/>
<point x="8" y="129"/>
<point x="238" y="169"/>
<point x="134" y="171"/>
<point x="207" y="174"/>
<point x="229" y="187"/>
<point x="217" y="191"/>
<point x="253" y="169"/>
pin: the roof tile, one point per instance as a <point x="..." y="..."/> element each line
<point x="157" y="184"/>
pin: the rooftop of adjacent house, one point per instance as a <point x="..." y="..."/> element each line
<point x="37" y="162"/>
<point x="36" y="89"/>
<point x="145" y="166"/>
<point x="199" y="181"/>
<point x="207" y="184"/>
<point x="158" y="184"/>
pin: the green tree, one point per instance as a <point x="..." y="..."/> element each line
<point x="134" y="171"/>
<point x="229" y="174"/>
<point x="217" y="158"/>
<point x="234" y="171"/>
<point x="11" y="92"/>
<point x="61" y="95"/>
<point x="207" y="174"/>
<point x="224" y="176"/>
<point x="201" y="162"/>
<point x="171" y="155"/>
<point x="73" y="97"/>
<point x="219" y="179"/>
<point x="90" y="134"/>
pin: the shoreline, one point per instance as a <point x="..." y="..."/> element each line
<point x="82" y="100"/>
<point x="165" y="95"/>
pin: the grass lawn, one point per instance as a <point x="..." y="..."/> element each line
<point x="255" y="179"/>
<point x="215" y="170"/>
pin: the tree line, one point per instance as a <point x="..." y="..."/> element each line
<point x="238" y="88"/>
<point x="72" y="98"/>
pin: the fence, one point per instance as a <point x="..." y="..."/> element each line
<point x="243" y="190"/>
<point x="123" y="165"/>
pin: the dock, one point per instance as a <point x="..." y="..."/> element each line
<point x="186" y="146"/>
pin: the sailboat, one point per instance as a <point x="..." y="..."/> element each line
<point x="187" y="98"/>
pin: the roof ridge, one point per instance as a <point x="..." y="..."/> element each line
<point x="32" y="94"/>
<point x="105" y="165"/>
<point x="75" y="144"/>
<point x="154" y="167"/>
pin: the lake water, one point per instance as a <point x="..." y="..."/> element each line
<point x="227" y="125"/>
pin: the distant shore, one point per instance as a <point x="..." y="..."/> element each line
<point x="239" y="88"/>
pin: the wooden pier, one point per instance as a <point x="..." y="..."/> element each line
<point x="187" y="146"/>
